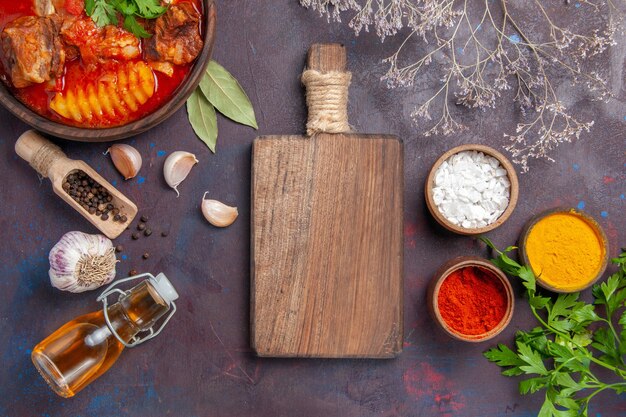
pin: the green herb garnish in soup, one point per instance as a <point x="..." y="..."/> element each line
<point x="97" y="63"/>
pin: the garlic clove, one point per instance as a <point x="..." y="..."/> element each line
<point x="126" y="159"/>
<point x="177" y="167"/>
<point x="218" y="213"/>
<point x="81" y="262"/>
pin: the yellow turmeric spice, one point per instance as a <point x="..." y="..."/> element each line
<point x="565" y="251"/>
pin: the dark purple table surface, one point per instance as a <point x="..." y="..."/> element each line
<point x="201" y="364"/>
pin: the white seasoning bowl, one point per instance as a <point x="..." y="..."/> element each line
<point x="514" y="190"/>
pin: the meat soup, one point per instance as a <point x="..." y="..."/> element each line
<point x="61" y="64"/>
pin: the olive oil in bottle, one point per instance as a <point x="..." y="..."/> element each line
<point x="86" y="347"/>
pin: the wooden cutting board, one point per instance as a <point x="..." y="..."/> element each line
<point x="327" y="241"/>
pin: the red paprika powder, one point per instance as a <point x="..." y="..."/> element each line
<point x="472" y="300"/>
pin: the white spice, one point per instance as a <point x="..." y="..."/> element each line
<point x="471" y="189"/>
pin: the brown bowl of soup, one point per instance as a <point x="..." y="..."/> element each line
<point x="91" y="83"/>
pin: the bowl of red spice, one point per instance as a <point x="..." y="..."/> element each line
<point x="470" y="299"/>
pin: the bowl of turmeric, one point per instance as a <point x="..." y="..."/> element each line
<point x="566" y="249"/>
<point x="470" y="299"/>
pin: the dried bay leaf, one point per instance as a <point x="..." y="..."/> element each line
<point x="203" y="118"/>
<point x="224" y="92"/>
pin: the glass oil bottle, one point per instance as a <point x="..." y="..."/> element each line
<point x="86" y="347"/>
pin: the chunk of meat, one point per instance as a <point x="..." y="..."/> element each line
<point x="176" y="35"/>
<point x="44" y="7"/>
<point x="163" y="67"/>
<point x="99" y="44"/>
<point x="32" y="50"/>
<point x="74" y="7"/>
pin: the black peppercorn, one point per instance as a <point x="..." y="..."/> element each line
<point x="119" y="248"/>
<point x="146" y="255"/>
<point x="141" y="226"/>
<point x="147" y="232"/>
<point x="135" y="236"/>
<point x="164" y="233"/>
<point x="144" y="218"/>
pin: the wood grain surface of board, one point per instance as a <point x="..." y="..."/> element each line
<point x="327" y="246"/>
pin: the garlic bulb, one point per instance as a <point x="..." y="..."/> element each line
<point x="218" y="213"/>
<point x="81" y="262"/>
<point x="177" y="167"/>
<point x="126" y="159"/>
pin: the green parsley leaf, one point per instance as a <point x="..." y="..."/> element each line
<point x="502" y="355"/>
<point x="532" y="385"/>
<point x="570" y="405"/>
<point x="563" y="306"/>
<point x="127" y="8"/>
<point x="149" y="9"/>
<point x="603" y="341"/>
<point x="528" y="277"/>
<point x="604" y="293"/>
<point x="102" y="13"/>
<point x="536" y="339"/>
<point x="565" y="380"/>
<point x="131" y="25"/>
<point x="89" y="6"/>
<point x="585" y="314"/>
<point x="547" y="409"/>
<point x="582" y="339"/>
<point x="532" y="358"/>
<point x="539" y="302"/>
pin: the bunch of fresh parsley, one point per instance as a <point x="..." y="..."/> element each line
<point x="572" y="337"/>
<point x="105" y="12"/>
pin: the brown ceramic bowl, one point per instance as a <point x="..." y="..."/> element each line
<point x="430" y="180"/>
<point x="594" y="225"/>
<point x="82" y="134"/>
<point x="455" y="264"/>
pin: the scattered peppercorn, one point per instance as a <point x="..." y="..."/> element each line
<point x="135" y="236"/>
<point x="141" y="226"/>
<point x="146" y="255"/>
<point x="164" y="233"/>
<point x="119" y="248"/>
<point x="147" y="232"/>
<point x="132" y="272"/>
<point x="144" y="218"/>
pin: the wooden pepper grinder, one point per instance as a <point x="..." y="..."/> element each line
<point x="327" y="230"/>
<point x="50" y="162"/>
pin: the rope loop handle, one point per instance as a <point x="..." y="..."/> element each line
<point x="44" y="157"/>
<point x="327" y="100"/>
